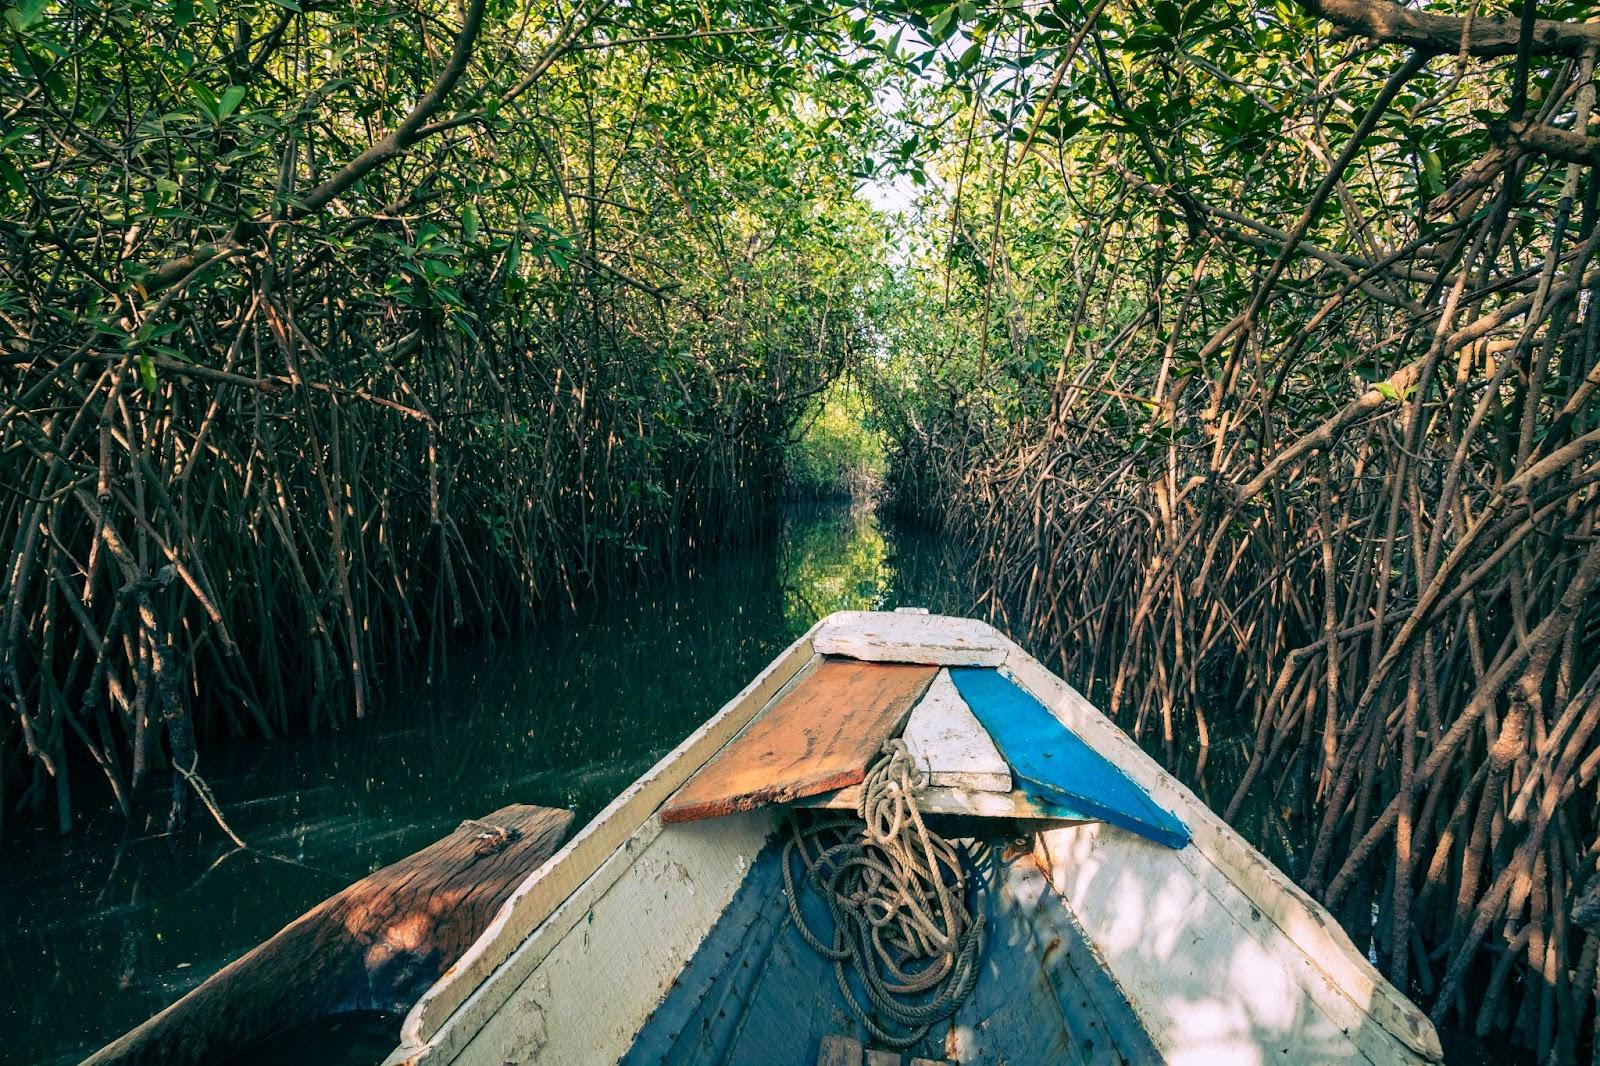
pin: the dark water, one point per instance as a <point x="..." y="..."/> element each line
<point x="101" y="929"/>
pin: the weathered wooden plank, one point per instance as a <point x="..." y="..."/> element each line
<point x="1053" y="764"/>
<point x="702" y="1013"/>
<point x="1015" y="1014"/>
<point x="1236" y="983"/>
<point x="948" y="744"/>
<point x="936" y="800"/>
<point x="820" y="736"/>
<point x="1106" y="1030"/>
<point x="839" y="1051"/>
<point x="876" y="1057"/>
<point x="377" y="945"/>
<point x="930" y="639"/>
<point x="756" y="994"/>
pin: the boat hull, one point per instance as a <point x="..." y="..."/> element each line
<point x="1199" y="954"/>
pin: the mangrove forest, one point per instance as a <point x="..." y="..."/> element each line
<point x="1239" y="359"/>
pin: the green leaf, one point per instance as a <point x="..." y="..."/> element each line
<point x="1387" y="391"/>
<point x="514" y="256"/>
<point x="892" y="50"/>
<point x="147" y="372"/>
<point x="153" y="330"/>
<point x="13" y="178"/>
<point x="25" y="15"/>
<point x="469" y="222"/>
<point x="206" y="100"/>
<point x="1169" y="17"/>
<point x="232" y="97"/>
<point x="1433" y="171"/>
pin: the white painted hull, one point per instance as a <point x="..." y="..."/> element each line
<point x="1218" y="957"/>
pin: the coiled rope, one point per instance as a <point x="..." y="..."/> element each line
<point x="902" y="902"/>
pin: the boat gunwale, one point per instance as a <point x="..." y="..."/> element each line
<point x="565" y="873"/>
<point x="1321" y="940"/>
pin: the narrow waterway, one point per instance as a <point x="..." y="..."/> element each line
<point x="102" y="928"/>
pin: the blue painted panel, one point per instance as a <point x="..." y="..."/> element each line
<point x="698" y="1019"/>
<point x="754" y="994"/>
<point x="1014" y="1015"/>
<point x="1053" y="764"/>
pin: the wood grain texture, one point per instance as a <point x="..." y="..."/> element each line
<point x="949" y="746"/>
<point x="892" y="637"/>
<point x="820" y="736"/>
<point x="1235" y="981"/>
<point x="839" y="1051"/>
<point x="959" y="801"/>
<point x="756" y="994"/>
<point x="449" y="1014"/>
<point x="1105" y="1029"/>
<point x="377" y="945"/>
<point x="1239" y="876"/>
<point x="1054" y="765"/>
<point x="616" y="955"/>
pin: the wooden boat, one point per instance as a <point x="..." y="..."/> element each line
<point x="1131" y="924"/>
<point x="371" y="949"/>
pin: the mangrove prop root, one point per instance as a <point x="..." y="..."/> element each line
<point x="1347" y="505"/>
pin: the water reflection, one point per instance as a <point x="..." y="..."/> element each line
<point x="104" y="928"/>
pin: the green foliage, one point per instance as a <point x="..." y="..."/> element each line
<point x="839" y="451"/>
<point x="330" y="328"/>
<point x="370" y="345"/>
<point x="1231" y="346"/>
